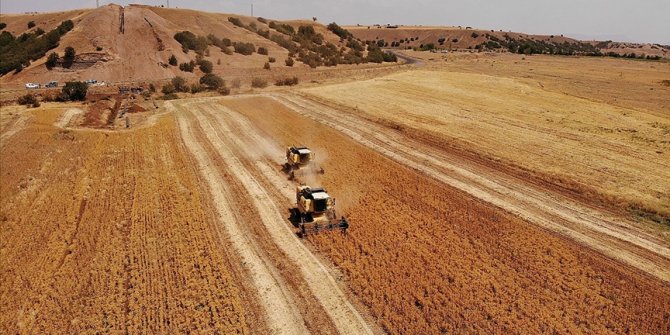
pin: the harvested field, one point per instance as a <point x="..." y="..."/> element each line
<point x="427" y="258"/>
<point x="603" y="153"/>
<point x="110" y="232"/>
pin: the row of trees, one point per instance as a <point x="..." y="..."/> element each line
<point x="16" y="53"/>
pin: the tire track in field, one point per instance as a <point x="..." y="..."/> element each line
<point x="279" y="306"/>
<point x="615" y="237"/>
<point x="322" y="285"/>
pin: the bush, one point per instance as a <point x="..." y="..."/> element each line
<point x="260" y="19"/>
<point x="152" y="87"/>
<point x="31" y="24"/>
<point x="287" y="81"/>
<point x="187" y="67"/>
<point x="390" y="57"/>
<point x="244" y="48"/>
<point x="262" y="51"/>
<point x="339" y="31"/>
<point x="236" y="22"/>
<point x="168" y="89"/>
<point x="190" y="41"/>
<point x="52" y="60"/>
<point x="289" y="61"/>
<point x="173" y="60"/>
<point x="68" y="57"/>
<point x="26" y="100"/>
<point x="266" y="66"/>
<point x="3" y="25"/>
<point x="179" y="84"/>
<point x="39" y="32"/>
<point x="224" y="90"/>
<point x="36" y="104"/>
<point x="212" y="81"/>
<point x="170" y="96"/>
<point x="74" y="91"/>
<point x="259" y="83"/>
<point x="474" y="35"/>
<point x="197" y="88"/>
<point x="206" y="66"/>
<point x="272" y="59"/>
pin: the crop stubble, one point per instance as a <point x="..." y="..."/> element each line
<point x="426" y="258"/>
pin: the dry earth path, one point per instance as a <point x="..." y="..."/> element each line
<point x="624" y="240"/>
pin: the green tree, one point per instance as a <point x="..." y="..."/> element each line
<point x="69" y="56"/>
<point x="52" y="60"/>
<point x="75" y="91"/>
<point x="212" y="81"/>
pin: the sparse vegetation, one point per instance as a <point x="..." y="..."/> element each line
<point x="272" y="59"/>
<point x="27" y="100"/>
<point x="31" y="24"/>
<point x="266" y="65"/>
<point x="339" y="31"/>
<point x="258" y="82"/>
<point x="289" y="61"/>
<point x="262" y="51"/>
<point x="173" y="60"/>
<point x="187" y="67"/>
<point x="179" y="84"/>
<point x="197" y="88"/>
<point x="206" y="66"/>
<point x="224" y="90"/>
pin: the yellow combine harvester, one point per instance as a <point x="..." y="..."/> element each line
<point x="315" y="211"/>
<point x="301" y="160"/>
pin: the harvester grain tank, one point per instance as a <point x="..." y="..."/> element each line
<point x="315" y="211"/>
<point x="300" y="160"/>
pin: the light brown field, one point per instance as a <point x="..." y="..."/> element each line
<point x="578" y="141"/>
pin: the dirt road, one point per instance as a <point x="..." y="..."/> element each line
<point x="624" y="240"/>
<point x="226" y="158"/>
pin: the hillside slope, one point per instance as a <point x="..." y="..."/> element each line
<point x="459" y="38"/>
<point x="134" y="43"/>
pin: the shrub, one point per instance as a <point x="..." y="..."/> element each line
<point x="236" y="83"/>
<point x="244" y="48"/>
<point x="260" y="19"/>
<point x="212" y="81"/>
<point x="206" y="66"/>
<point x="187" y="67"/>
<point x="262" y="51"/>
<point x="168" y="89"/>
<point x="52" y="60"/>
<point x="339" y="31"/>
<point x="266" y="66"/>
<point x="236" y="21"/>
<point x="474" y="35"/>
<point x="179" y="84"/>
<point x="36" y="104"/>
<point x="289" y="61"/>
<point x="224" y="90"/>
<point x="31" y="24"/>
<point x="197" y="88"/>
<point x="74" y="91"/>
<point x="39" y="31"/>
<point x="170" y="96"/>
<point x="68" y="57"/>
<point x="272" y="59"/>
<point x="190" y="41"/>
<point x="152" y="87"/>
<point x="259" y="83"/>
<point x="264" y="33"/>
<point x="26" y="100"/>
<point x="3" y="25"/>
<point x="98" y="48"/>
<point x="390" y="57"/>
<point x="287" y="81"/>
<point x="173" y="60"/>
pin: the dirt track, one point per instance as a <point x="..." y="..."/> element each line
<point x="227" y="148"/>
<point x="617" y="237"/>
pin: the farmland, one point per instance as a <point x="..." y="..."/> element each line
<point x="483" y="198"/>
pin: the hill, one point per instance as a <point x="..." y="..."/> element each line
<point x="467" y="38"/>
<point x="135" y="43"/>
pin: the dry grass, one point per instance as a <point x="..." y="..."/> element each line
<point x="599" y="149"/>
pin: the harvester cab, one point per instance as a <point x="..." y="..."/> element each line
<point x="315" y="211"/>
<point x="299" y="159"/>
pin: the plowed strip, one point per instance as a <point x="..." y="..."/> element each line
<point x="323" y="286"/>
<point x="283" y="318"/>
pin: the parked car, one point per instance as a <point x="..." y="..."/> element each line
<point x="91" y="81"/>
<point x="32" y="86"/>
<point x="52" y="84"/>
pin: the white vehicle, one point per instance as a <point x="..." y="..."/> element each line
<point x="32" y="86"/>
<point x="91" y="81"/>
